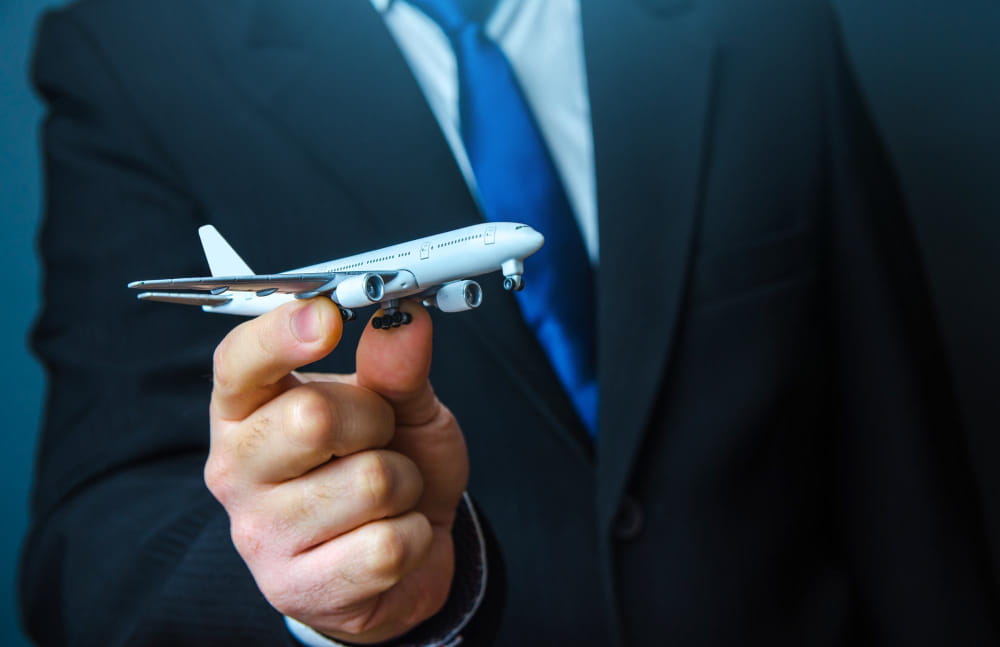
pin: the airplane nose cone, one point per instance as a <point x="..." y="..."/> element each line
<point x="537" y="240"/>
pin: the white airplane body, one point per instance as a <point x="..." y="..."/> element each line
<point x="437" y="270"/>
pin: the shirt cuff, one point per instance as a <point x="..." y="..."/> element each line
<point x="467" y="592"/>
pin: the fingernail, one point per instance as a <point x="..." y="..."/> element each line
<point x="306" y="324"/>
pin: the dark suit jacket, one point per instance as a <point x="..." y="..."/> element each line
<point x="945" y="145"/>
<point x="776" y="463"/>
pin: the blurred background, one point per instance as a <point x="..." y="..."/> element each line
<point x="21" y="380"/>
<point x="930" y="73"/>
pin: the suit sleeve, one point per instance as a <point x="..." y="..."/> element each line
<point x="127" y="546"/>
<point x="908" y="511"/>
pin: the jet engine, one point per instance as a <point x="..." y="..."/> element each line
<point x="360" y="291"/>
<point x="459" y="296"/>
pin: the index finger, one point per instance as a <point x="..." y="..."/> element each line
<point x="253" y="363"/>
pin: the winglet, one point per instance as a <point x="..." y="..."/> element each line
<point x="222" y="258"/>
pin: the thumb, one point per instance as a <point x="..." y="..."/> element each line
<point x="396" y="363"/>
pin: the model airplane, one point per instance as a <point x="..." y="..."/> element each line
<point x="436" y="270"/>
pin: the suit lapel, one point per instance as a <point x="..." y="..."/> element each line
<point x="649" y="80"/>
<point x="332" y="76"/>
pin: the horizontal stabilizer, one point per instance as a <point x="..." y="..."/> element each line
<point x="186" y="299"/>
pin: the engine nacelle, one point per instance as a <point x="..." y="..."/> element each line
<point x="459" y="296"/>
<point x="360" y="291"/>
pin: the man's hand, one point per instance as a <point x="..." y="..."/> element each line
<point x="341" y="489"/>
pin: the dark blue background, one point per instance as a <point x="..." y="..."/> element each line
<point x="930" y="71"/>
<point x="21" y="377"/>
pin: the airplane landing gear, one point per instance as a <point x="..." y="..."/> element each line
<point x="394" y="320"/>
<point x="513" y="272"/>
<point x="513" y="283"/>
<point x="393" y="317"/>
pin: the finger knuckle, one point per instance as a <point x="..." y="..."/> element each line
<point x="313" y="419"/>
<point x="218" y="477"/>
<point x="377" y="479"/>
<point x="222" y="378"/>
<point x="388" y="552"/>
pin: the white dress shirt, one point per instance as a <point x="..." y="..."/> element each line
<point x="543" y="41"/>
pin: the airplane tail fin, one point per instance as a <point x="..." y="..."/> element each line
<point x="222" y="258"/>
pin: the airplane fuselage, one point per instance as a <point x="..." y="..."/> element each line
<point x="420" y="264"/>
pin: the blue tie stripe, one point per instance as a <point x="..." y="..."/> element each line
<point x="517" y="181"/>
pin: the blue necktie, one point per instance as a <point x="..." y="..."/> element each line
<point x="518" y="182"/>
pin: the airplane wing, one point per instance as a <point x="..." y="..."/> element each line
<point x="304" y="285"/>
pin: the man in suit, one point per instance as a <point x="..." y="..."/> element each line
<point x="771" y="462"/>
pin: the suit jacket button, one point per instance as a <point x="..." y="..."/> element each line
<point x="628" y="521"/>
